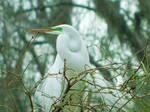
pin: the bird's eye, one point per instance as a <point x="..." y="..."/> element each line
<point x="57" y="28"/>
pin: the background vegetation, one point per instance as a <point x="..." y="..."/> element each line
<point x="116" y="32"/>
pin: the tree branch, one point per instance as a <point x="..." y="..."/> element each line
<point x="60" y="4"/>
<point x="106" y="74"/>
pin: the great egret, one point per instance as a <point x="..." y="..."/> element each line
<point x="70" y="47"/>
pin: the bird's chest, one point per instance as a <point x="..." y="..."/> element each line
<point x="73" y="51"/>
<point x="75" y="61"/>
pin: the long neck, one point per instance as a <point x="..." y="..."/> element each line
<point x="57" y="66"/>
<point x="71" y="47"/>
<point x="68" y="42"/>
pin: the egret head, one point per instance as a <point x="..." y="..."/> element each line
<point x="60" y="29"/>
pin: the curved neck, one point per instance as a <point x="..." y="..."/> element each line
<point x="68" y="43"/>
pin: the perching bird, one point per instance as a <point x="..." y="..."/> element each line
<point x="70" y="47"/>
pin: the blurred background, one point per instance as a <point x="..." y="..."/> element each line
<point x="116" y="32"/>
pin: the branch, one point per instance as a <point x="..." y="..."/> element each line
<point x="41" y="66"/>
<point x="106" y="74"/>
<point x="60" y="4"/>
<point x="39" y="42"/>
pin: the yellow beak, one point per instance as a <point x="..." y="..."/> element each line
<point x="41" y="30"/>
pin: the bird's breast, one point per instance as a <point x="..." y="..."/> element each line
<point x="74" y="51"/>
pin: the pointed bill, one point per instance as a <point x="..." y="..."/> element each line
<point x="41" y="30"/>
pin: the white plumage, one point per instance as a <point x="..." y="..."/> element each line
<point x="71" y="47"/>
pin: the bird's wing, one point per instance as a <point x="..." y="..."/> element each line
<point x="50" y="88"/>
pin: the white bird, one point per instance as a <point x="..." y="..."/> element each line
<point x="70" y="47"/>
